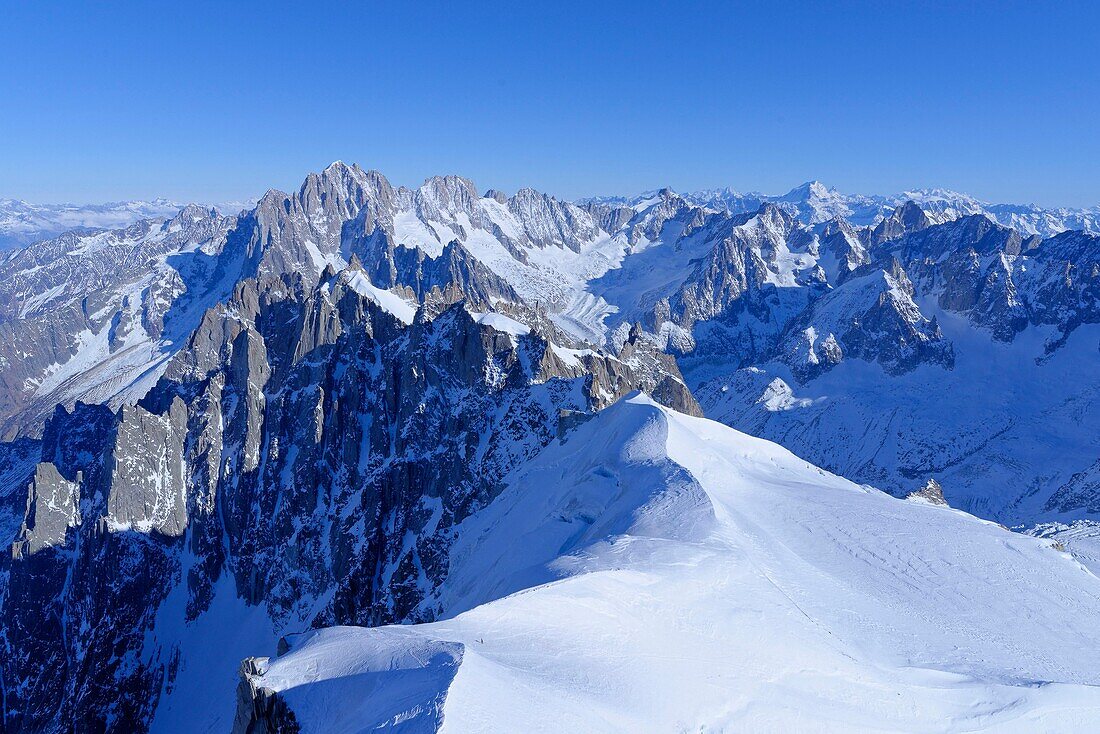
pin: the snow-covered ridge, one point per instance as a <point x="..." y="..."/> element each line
<point x="658" y="572"/>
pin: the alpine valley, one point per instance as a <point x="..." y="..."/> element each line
<point x="361" y="456"/>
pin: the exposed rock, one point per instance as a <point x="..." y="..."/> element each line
<point x="260" y="710"/>
<point x="147" y="490"/>
<point x="1081" y="492"/>
<point x="871" y="316"/>
<point x="931" y="492"/>
<point x="53" y="506"/>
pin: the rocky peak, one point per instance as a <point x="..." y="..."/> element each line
<point x="548" y="222"/>
<point x="897" y="278"/>
<point x="446" y="195"/>
<point x="872" y="316"/>
<point x="193" y="213"/>
<point x="840" y="244"/>
<point x="774" y="217"/>
<point x="931" y="492"/>
<point x="648" y="222"/>
<point x="337" y="194"/>
<point x="905" y="219"/>
<point x="497" y="195"/>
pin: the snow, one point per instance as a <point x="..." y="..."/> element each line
<point x="322" y="260"/>
<point x="388" y="300"/>
<point x="101" y="372"/>
<point x="501" y="323"/>
<point x="635" y="282"/>
<point x="501" y="217"/>
<point x="658" y="572"/>
<point x="41" y="299"/>
<point x="1081" y="538"/>
<point x="571" y="357"/>
<point x="999" y="431"/>
<point x="778" y="396"/>
<point x="410" y="231"/>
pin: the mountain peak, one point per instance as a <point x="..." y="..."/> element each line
<point x="809" y="190"/>
<point x="337" y="167"/>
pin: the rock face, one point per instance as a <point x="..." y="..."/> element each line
<point x="872" y="317"/>
<point x="53" y="506"/>
<point x="259" y="709"/>
<point x="308" y="445"/>
<point x="1081" y="491"/>
<point x="454" y="275"/>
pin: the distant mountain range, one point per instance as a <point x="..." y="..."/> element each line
<point x="813" y="202"/>
<point x="22" y="223"/>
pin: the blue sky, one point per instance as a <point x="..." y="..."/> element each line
<point x="213" y="101"/>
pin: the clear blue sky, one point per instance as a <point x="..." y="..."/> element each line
<point x="222" y="100"/>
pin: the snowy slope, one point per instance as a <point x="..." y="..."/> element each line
<point x="1000" y="431"/>
<point x="658" y="572"/>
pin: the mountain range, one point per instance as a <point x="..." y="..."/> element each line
<point x="474" y="461"/>
<point x="22" y="223"/>
<point x="814" y="202"/>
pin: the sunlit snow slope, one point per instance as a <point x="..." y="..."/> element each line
<point x="657" y="572"/>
